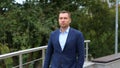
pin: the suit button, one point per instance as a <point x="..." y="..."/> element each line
<point x="61" y="65"/>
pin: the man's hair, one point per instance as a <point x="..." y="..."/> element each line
<point x="64" y="11"/>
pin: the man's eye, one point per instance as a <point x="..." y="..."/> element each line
<point x="60" y="18"/>
<point x="65" y="18"/>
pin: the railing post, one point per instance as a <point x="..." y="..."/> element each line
<point x="20" y="61"/>
<point x="43" y="56"/>
<point x="86" y="41"/>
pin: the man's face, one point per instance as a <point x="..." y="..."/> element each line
<point x="64" y="20"/>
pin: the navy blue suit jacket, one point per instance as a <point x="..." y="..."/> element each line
<point x="73" y="54"/>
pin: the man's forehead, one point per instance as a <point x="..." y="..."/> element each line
<point x="63" y="14"/>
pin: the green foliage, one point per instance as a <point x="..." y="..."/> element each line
<point x="23" y="27"/>
<point x="102" y="32"/>
<point x="8" y="61"/>
<point x="28" y="25"/>
<point x="96" y="20"/>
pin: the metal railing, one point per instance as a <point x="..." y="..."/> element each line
<point x="43" y="48"/>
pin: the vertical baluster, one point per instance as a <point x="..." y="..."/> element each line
<point x="43" y="56"/>
<point x="20" y="61"/>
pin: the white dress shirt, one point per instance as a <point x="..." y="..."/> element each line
<point x="63" y="37"/>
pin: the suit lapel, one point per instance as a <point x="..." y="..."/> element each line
<point x="68" y="38"/>
<point x="57" y="37"/>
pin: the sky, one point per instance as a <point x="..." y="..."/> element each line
<point x="19" y="1"/>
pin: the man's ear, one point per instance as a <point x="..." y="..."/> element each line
<point x="70" y="20"/>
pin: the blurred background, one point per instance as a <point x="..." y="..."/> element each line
<point x="27" y="24"/>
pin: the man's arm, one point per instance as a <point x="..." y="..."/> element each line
<point x="80" y="50"/>
<point x="48" y="53"/>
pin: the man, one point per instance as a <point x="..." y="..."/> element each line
<point x="65" y="46"/>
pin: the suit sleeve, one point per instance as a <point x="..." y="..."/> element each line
<point x="80" y="51"/>
<point x="49" y="53"/>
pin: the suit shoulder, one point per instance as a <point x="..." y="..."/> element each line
<point x="76" y="31"/>
<point x="54" y="32"/>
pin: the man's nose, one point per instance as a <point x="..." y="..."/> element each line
<point x="63" y="19"/>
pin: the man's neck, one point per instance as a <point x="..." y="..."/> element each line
<point x="63" y="29"/>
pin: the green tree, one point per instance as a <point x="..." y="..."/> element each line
<point x="28" y="25"/>
<point x="96" y="21"/>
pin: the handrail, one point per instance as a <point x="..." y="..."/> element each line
<point x="21" y="52"/>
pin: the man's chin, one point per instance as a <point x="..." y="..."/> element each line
<point x="63" y="26"/>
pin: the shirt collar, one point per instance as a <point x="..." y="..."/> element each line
<point x="67" y="29"/>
